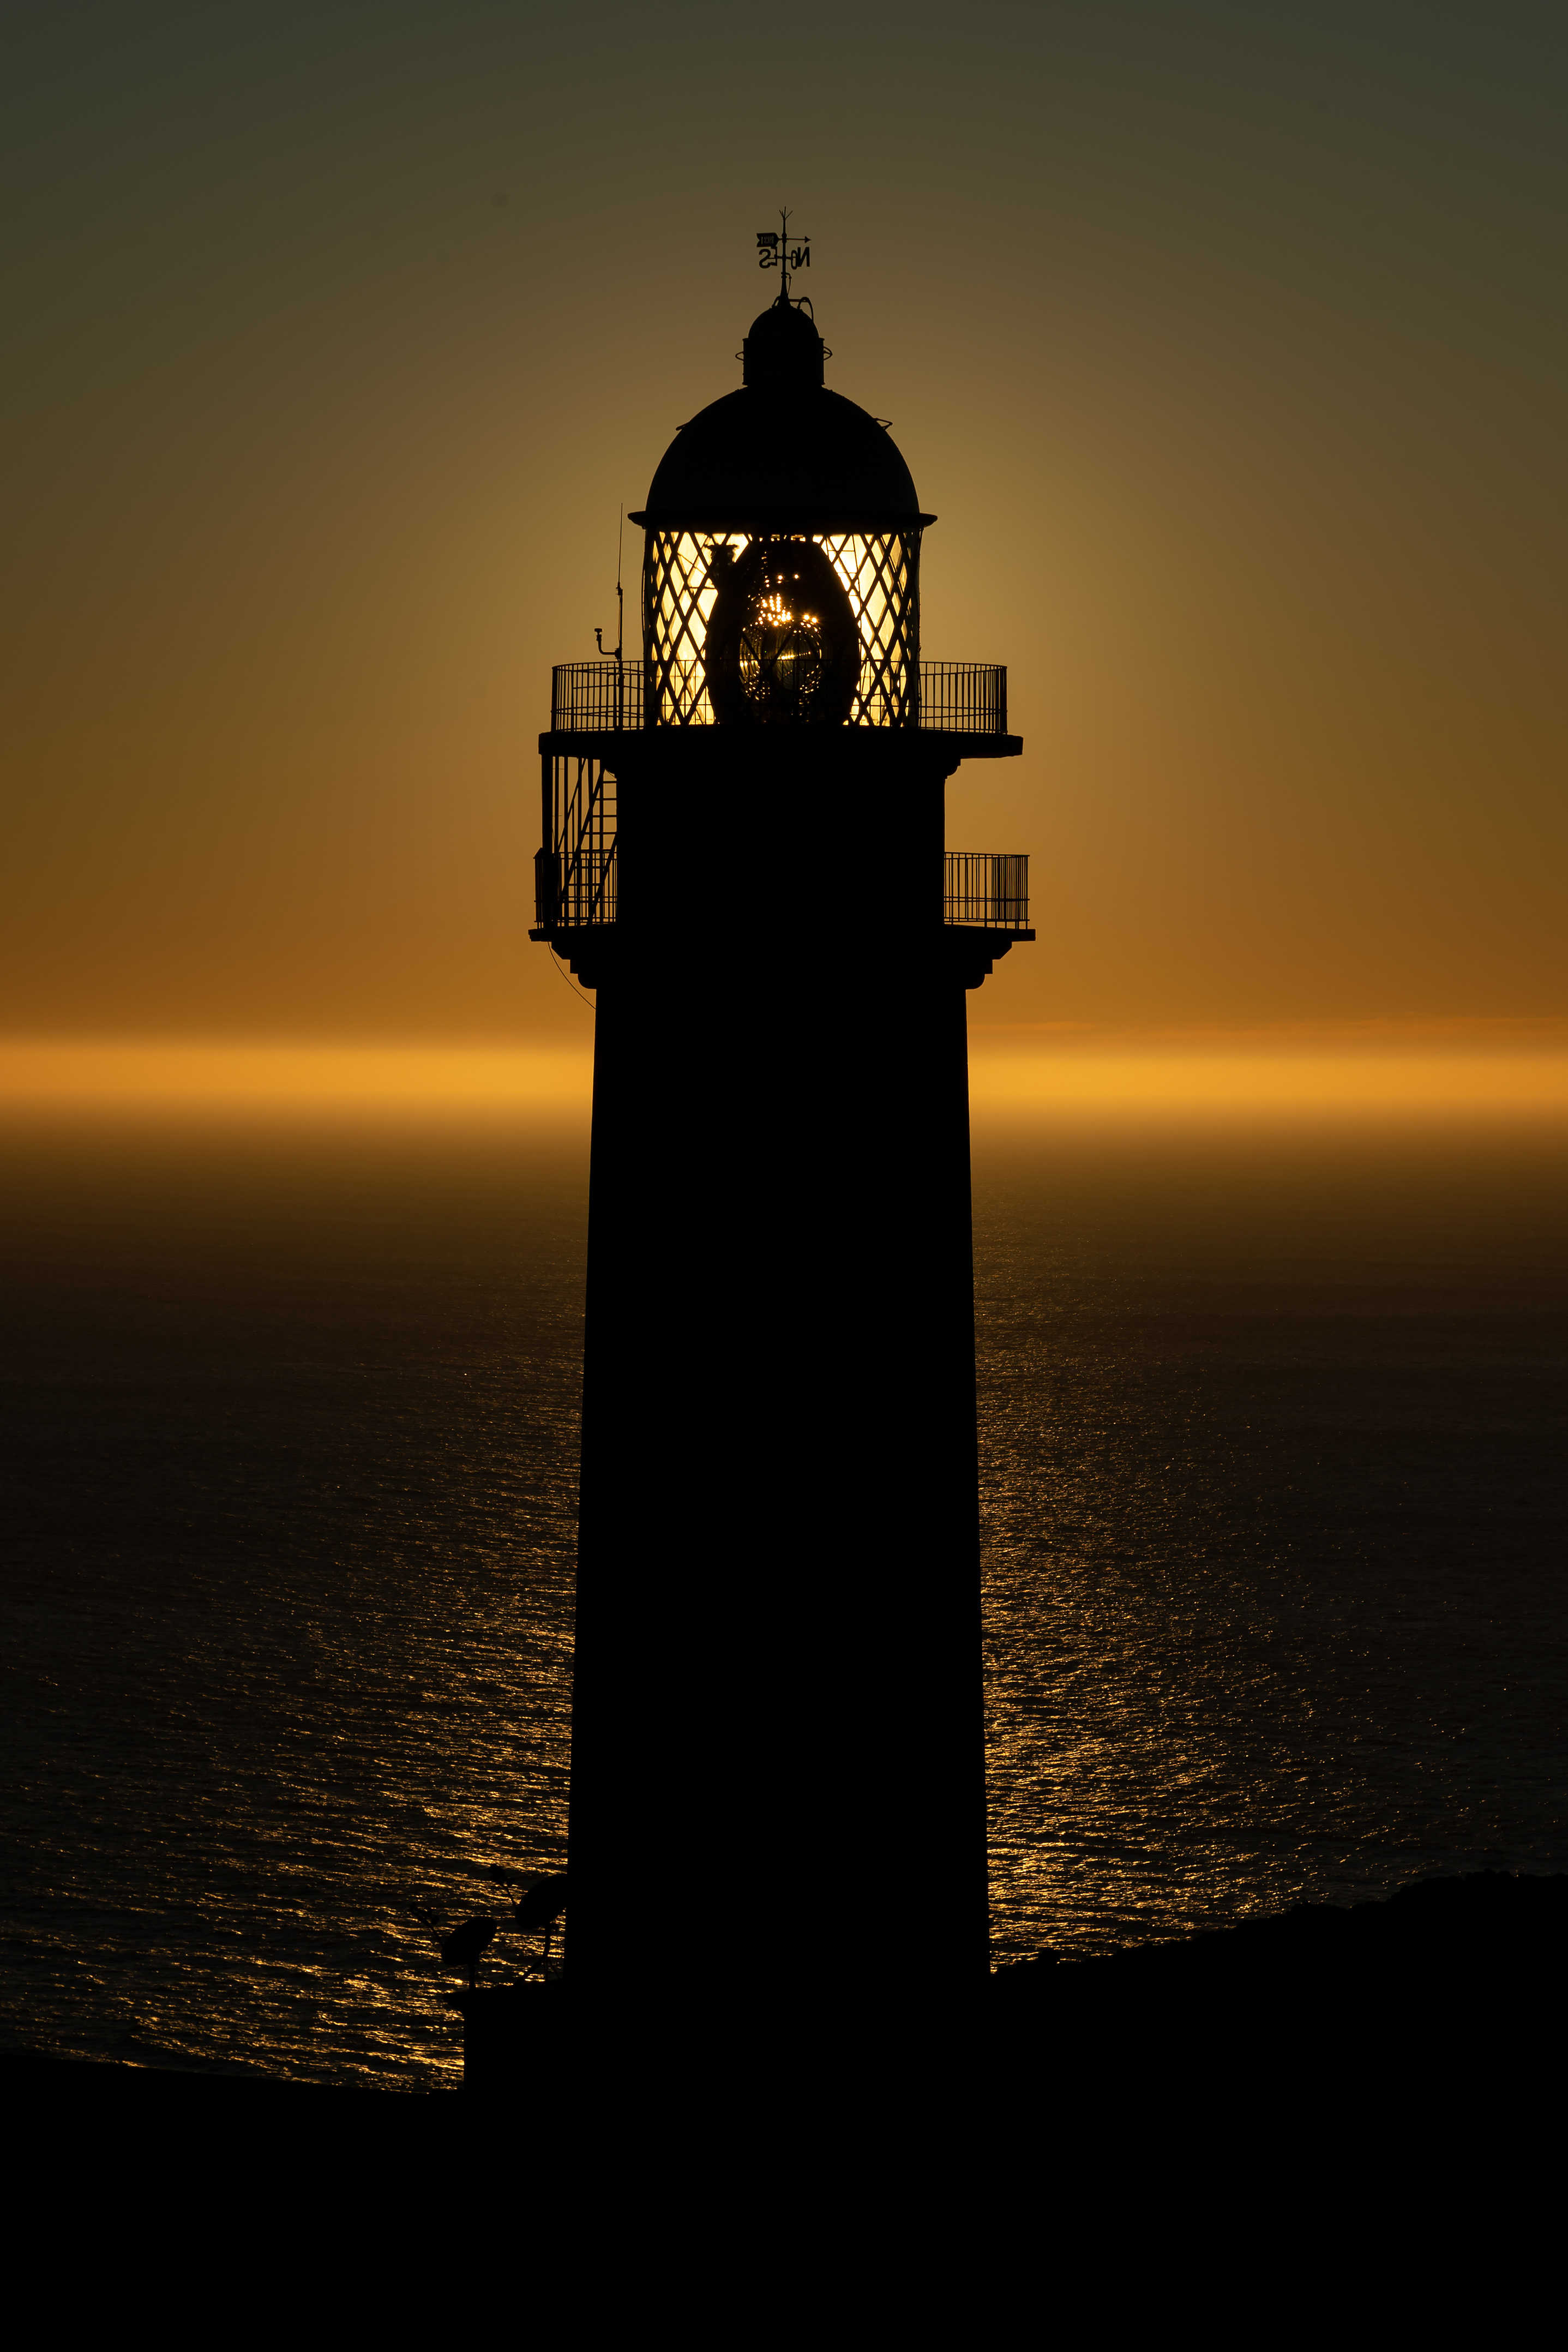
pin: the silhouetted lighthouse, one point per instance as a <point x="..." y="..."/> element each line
<point x="777" y="1756"/>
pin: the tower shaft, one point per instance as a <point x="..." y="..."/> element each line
<point x="778" y="1745"/>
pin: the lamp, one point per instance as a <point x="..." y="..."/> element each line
<point x="782" y="645"/>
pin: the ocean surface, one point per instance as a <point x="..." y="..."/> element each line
<point x="1271" y="1447"/>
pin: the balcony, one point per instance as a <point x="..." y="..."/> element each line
<point x="575" y="890"/>
<point x="605" y="698"/>
<point x="987" y="889"/>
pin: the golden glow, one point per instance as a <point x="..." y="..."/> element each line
<point x="1261" y="1087"/>
<point x="1238" y="407"/>
<point x="1365" y="1072"/>
<point x="166" y="1078"/>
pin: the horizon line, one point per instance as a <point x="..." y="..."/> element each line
<point x="1516" y="1072"/>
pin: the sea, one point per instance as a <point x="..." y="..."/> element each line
<point x="1272" y="1522"/>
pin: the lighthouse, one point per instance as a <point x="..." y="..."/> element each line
<point x="778" y="1766"/>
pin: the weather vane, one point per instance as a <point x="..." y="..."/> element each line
<point x="774" y="251"/>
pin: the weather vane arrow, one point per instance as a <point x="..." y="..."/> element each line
<point x="775" y="251"/>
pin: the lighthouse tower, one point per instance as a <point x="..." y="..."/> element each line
<point x="777" y="1773"/>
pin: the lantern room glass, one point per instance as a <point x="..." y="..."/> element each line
<point x="881" y="576"/>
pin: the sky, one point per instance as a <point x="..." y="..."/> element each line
<point x="1227" y="342"/>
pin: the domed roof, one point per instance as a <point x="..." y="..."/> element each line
<point x="783" y="453"/>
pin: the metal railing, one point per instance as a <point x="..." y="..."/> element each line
<point x="597" y="698"/>
<point x="577" y="873"/>
<point x="987" y="888"/>
<point x="964" y="697"/>
<point x="982" y="888"/>
<point x="605" y="697"/>
<point x="571" y="890"/>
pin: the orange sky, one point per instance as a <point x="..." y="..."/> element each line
<point x="1226" y="344"/>
<point x="1388" y="1074"/>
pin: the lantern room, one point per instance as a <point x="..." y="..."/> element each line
<point x="781" y="578"/>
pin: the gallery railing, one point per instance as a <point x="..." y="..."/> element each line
<point x="982" y="888"/>
<point x="577" y="873"/>
<point x="987" y="886"/>
<point x="600" y="697"/>
<point x="964" y="697"/>
<point x="605" y="698"/>
<point x="571" y="890"/>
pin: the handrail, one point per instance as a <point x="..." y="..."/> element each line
<point x="982" y="889"/>
<point x="987" y="888"/>
<point x="604" y="698"/>
<point x="964" y="697"/>
<point x="573" y="890"/>
<point x="596" y="697"/>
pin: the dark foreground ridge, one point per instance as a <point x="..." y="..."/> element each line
<point x="1445" y="1963"/>
<point x="1432" y="1937"/>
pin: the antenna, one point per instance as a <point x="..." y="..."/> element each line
<point x="774" y="250"/>
<point x="616" y="656"/>
<point x="620" y="600"/>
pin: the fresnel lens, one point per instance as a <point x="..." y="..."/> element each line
<point x="782" y="645"/>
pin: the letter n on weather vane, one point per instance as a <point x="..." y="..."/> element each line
<point x="773" y="252"/>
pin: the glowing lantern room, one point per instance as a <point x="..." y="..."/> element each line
<point x="781" y="581"/>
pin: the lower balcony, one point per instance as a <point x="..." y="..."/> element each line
<point x="983" y="890"/>
<point x="987" y="889"/>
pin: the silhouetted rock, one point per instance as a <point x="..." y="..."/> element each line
<point x="1458" y="1945"/>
